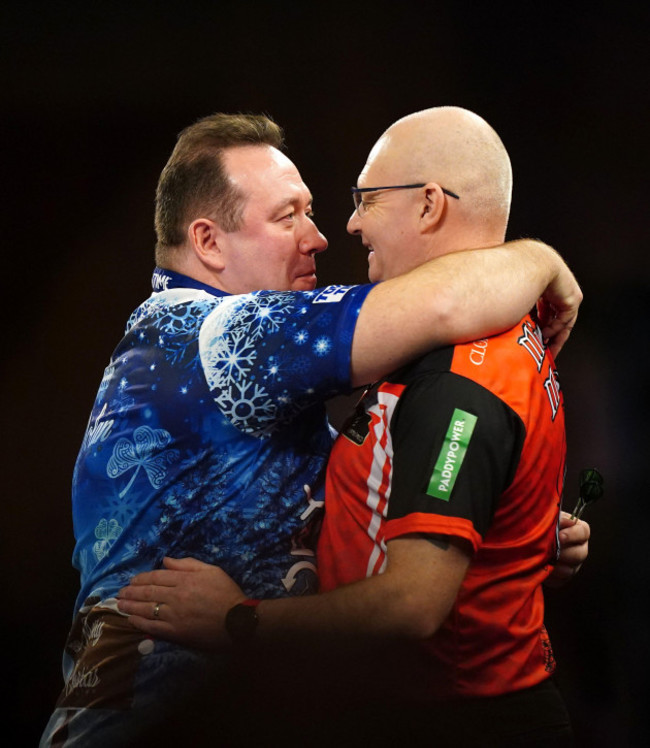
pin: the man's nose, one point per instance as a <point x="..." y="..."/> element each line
<point x="313" y="241"/>
<point x="354" y="223"/>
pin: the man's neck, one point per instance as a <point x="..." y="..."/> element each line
<point x="468" y="237"/>
<point x="188" y="265"/>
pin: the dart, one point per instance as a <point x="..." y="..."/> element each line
<point x="591" y="489"/>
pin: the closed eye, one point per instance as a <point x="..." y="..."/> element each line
<point x="291" y="216"/>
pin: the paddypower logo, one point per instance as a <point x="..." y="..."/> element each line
<point x="452" y="454"/>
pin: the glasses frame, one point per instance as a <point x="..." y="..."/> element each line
<point x="357" y="192"/>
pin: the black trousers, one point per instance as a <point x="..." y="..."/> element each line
<point x="532" y="718"/>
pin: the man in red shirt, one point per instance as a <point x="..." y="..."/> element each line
<point x="444" y="487"/>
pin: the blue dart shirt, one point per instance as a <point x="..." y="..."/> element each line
<point x="208" y="436"/>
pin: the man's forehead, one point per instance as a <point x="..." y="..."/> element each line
<point x="380" y="163"/>
<point x="261" y="167"/>
<point x="250" y="161"/>
<point x="268" y="180"/>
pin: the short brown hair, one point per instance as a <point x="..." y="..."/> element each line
<point x="194" y="179"/>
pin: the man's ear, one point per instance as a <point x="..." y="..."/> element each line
<point x="433" y="206"/>
<point x="204" y="237"/>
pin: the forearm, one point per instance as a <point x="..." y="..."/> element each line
<point x="371" y="608"/>
<point x="458" y="297"/>
<point x="410" y="599"/>
<point x="483" y="291"/>
<point x="188" y="600"/>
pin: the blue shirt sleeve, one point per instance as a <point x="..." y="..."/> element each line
<point x="267" y="356"/>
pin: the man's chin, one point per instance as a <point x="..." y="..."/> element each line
<point x="373" y="272"/>
<point x="304" y="283"/>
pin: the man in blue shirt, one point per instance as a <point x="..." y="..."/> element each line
<point x="208" y="437"/>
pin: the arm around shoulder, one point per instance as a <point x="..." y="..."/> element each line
<point x="462" y="296"/>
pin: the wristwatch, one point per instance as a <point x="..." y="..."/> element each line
<point x="241" y="621"/>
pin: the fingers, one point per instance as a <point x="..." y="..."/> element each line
<point x="572" y="531"/>
<point x="143" y="609"/>
<point x="196" y="626"/>
<point x="144" y="593"/>
<point x="159" y="577"/>
<point x="575" y="535"/>
<point x="556" y="342"/>
<point x="171" y="575"/>
<point x="158" y="629"/>
<point x="557" y="331"/>
<point x="184" y="564"/>
<point x="574" y="549"/>
<point x="573" y="555"/>
<point x="154" y="618"/>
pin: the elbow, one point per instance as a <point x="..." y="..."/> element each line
<point x="422" y="627"/>
<point x="418" y="630"/>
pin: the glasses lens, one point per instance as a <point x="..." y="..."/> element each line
<point x="358" y="203"/>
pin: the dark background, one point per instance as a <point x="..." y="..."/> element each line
<point x="92" y="100"/>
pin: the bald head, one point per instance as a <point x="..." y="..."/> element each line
<point x="460" y="151"/>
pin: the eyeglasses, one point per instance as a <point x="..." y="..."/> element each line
<point x="361" y="207"/>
